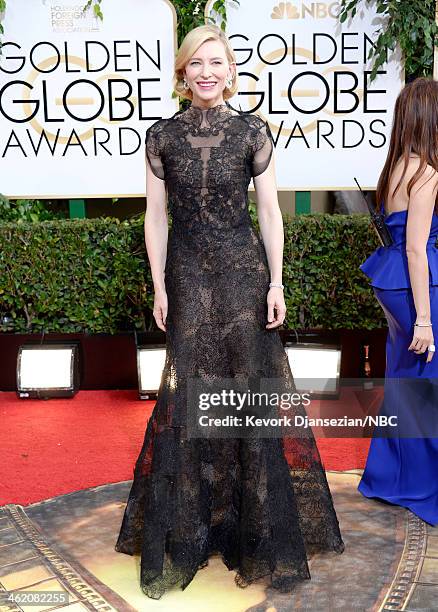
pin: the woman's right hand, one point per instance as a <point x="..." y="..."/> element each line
<point x="160" y="308"/>
<point x="423" y="338"/>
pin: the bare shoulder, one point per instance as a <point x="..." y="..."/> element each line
<point x="429" y="174"/>
<point x="427" y="180"/>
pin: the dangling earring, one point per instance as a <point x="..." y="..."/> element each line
<point x="228" y="82"/>
<point x="185" y="84"/>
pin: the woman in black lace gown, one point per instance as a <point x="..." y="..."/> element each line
<point x="262" y="503"/>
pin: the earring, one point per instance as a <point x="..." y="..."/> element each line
<point x="185" y="84"/>
<point x="228" y="82"/>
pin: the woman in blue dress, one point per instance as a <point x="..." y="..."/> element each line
<point x="402" y="467"/>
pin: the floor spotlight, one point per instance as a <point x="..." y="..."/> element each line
<point x="48" y="370"/>
<point x="315" y="368"/>
<point x="150" y="364"/>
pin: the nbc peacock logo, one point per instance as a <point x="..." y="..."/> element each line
<point x="306" y="10"/>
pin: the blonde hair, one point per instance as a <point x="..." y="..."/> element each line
<point x="191" y="43"/>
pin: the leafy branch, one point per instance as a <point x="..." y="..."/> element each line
<point x="411" y="24"/>
<point x="190" y="13"/>
<point x="96" y="8"/>
<point x="2" y="10"/>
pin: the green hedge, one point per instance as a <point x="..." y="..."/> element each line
<point x="324" y="287"/>
<point x="92" y="275"/>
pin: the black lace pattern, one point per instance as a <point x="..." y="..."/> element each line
<point x="263" y="504"/>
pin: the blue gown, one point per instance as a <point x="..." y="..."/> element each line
<point x="399" y="469"/>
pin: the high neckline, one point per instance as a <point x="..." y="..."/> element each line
<point x="208" y="118"/>
<point x="209" y="108"/>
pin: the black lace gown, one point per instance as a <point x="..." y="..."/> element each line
<point x="263" y="504"/>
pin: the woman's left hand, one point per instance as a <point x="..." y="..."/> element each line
<point x="276" y="307"/>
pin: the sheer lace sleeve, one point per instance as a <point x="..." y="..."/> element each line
<point x="263" y="147"/>
<point x="153" y="149"/>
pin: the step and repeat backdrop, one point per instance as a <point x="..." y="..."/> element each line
<point x="77" y="94"/>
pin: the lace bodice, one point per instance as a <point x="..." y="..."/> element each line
<point x="207" y="158"/>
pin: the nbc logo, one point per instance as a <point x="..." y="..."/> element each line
<point x="304" y="10"/>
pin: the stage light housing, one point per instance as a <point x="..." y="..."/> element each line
<point x="48" y="370"/>
<point x="315" y="368"/>
<point x="150" y="364"/>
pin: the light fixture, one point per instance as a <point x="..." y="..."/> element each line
<point x="315" y="368"/>
<point x="48" y="370"/>
<point x="150" y="364"/>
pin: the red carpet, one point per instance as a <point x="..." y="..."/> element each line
<point x="56" y="446"/>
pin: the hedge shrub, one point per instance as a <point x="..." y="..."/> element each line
<point x="92" y="275"/>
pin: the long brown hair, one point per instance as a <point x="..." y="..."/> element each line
<point x="414" y="132"/>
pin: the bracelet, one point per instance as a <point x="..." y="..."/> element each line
<point x="422" y="324"/>
<point x="276" y="285"/>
